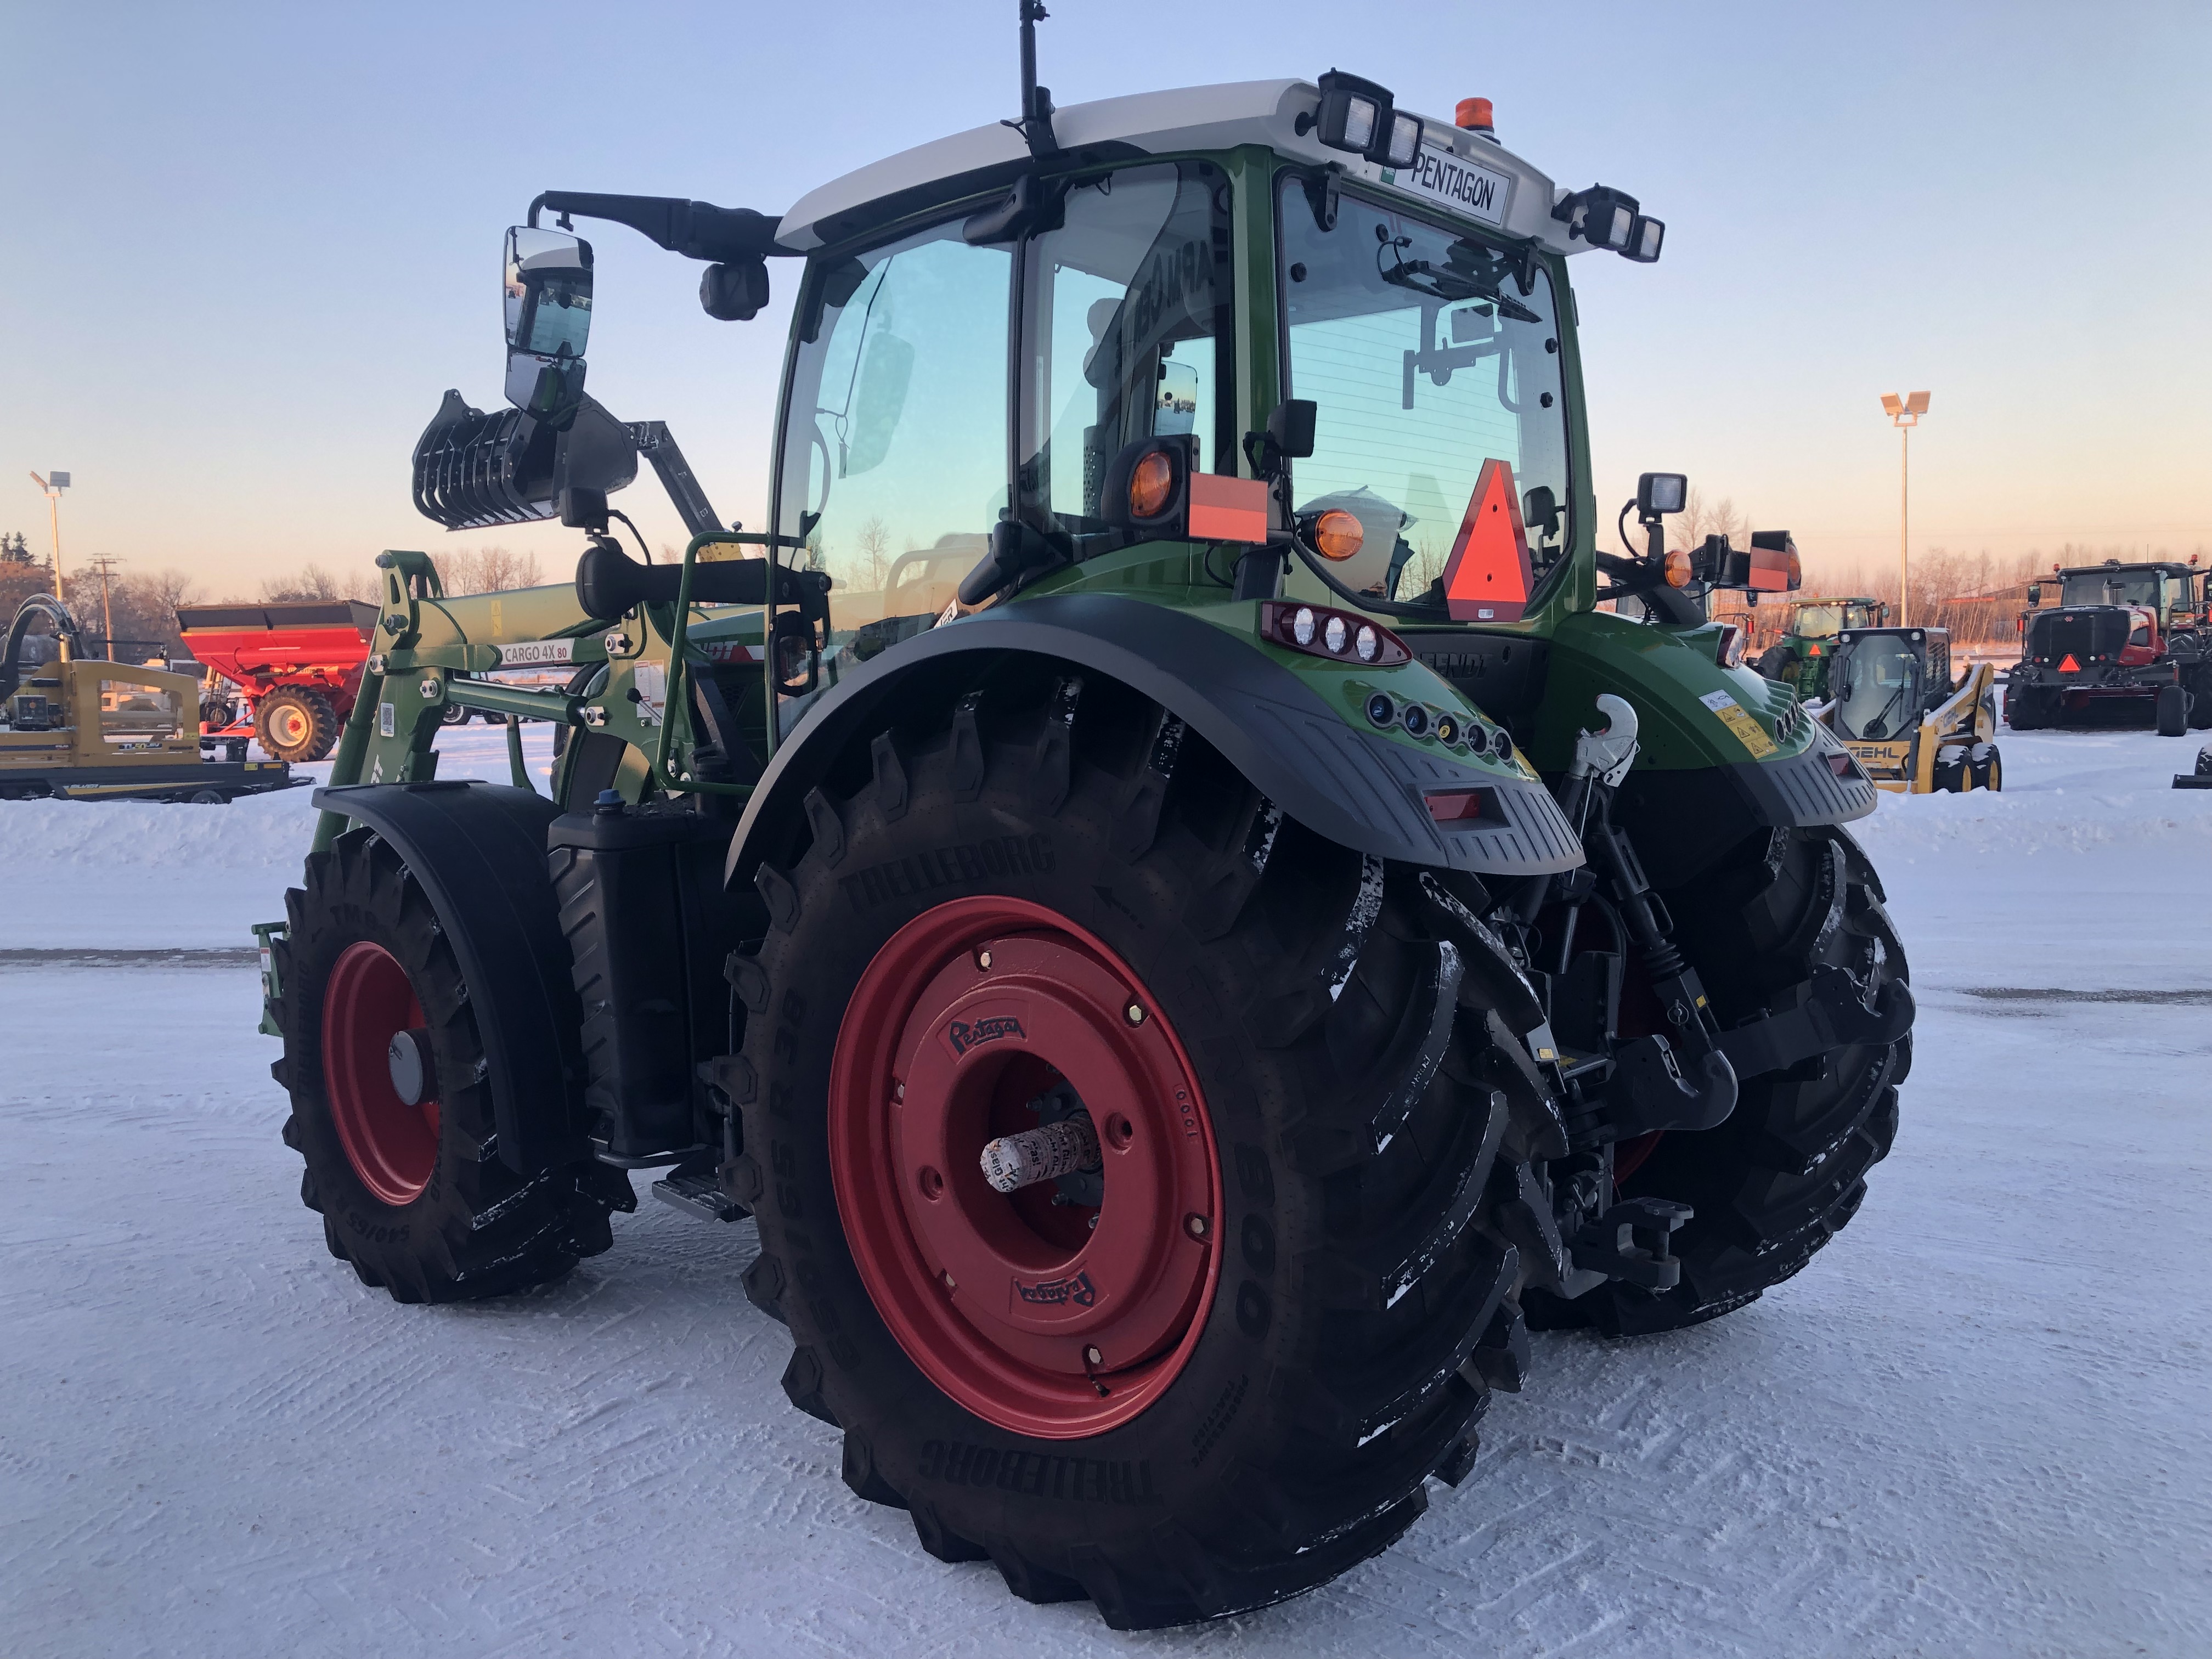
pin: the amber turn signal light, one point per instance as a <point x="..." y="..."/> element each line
<point x="1678" y="568"/>
<point x="1337" y="534"/>
<point x="1150" y="482"/>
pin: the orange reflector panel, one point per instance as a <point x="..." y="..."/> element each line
<point x="1487" y="579"/>
<point x="1227" y="509"/>
<point x="1769" y="569"/>
<point x="2068" y="665"/>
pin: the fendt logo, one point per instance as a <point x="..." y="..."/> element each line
<point x="964" y="1036"/>
<point x="1058" y="1291"/>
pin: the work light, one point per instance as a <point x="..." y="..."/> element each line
<point x="1361" y="117"/>
<point x="1403" y="146"/>
<point x="1603" y="217"/>
<point x="1644" y="240"/>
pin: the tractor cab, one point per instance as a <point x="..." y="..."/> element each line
<point x="1895" y="706"/>
<point x="1801" y="658"/>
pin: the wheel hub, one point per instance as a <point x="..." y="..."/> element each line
<point x="289" y="725"/>
<point x="370" y="1016"/>
<point x="1038" y="1312"/>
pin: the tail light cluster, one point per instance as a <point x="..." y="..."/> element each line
<point x="1339" y="636"/>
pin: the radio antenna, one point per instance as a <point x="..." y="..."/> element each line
<point x="1035" y="124"/>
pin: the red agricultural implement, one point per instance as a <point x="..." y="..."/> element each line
<point x="296" y="666"/>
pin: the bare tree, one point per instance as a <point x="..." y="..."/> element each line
<point x="872" y="568"/>
<point x="310" y="581"/>
<point x="485" y="569"/>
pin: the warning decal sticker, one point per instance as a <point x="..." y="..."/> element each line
<point x="1739" y="720"/>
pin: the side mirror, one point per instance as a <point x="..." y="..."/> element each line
<point x="1661" y="492"/>
<point x="548" y="296"/>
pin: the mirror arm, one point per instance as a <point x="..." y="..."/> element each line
<point x="697" y="230"/>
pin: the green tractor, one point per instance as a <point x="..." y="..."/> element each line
<point x="1801" y="657"/>
<point x="1179" y="1008"/>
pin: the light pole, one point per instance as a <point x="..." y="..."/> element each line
<point x="1903" y="414"/>
<point x="54" y="483"/>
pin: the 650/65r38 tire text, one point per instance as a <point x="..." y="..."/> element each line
<point x="391" y="1108"/>
<point x="1216" y="1369"/>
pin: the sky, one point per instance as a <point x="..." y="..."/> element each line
<point x="244" y="250"/>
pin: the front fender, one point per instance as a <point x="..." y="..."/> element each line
<point x="478" y="850"/>
<point x="1354" y="787"/>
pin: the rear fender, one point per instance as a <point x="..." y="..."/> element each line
<point x="478" y="850"/>
<point x="1355" y="786"/>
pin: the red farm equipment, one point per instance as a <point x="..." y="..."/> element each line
<point x="294" y="668"/>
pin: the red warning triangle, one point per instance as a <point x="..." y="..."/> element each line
<point x="1487" y="577"/>
<point x="2068" y="665"/>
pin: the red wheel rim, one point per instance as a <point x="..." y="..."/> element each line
<point x="1021" y="1310"/>
<point x="392" y="1146"/>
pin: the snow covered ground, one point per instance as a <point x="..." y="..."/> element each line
<point x="1981" y="1424"/>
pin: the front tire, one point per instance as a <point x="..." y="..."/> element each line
<point x="413" y="1195"/>
<point x="2172" y="711"/>
<point x="973" y="919"/>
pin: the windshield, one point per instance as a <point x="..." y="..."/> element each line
<point x="1441" y="424"/>
<point x="2110" y="587"/>
<point x="1818" y="621"/>
<point x="1123" y="302"/>
<point x="1877" y="685"/>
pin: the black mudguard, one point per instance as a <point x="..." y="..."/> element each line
<point x="478" y="850"/>
<point x="1357" y="788"/>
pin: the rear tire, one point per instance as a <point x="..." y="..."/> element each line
<point x="415" y="1199"/>
<point x="1777" y="663"/>
<point x="1787" y="1171"/>
<point x="2034" y="710"/>
<point x="2172" y="711"/>
<point x="1368" y="1116"/>
<point x="1988" y="771"/>
<point x="295" y="724"/>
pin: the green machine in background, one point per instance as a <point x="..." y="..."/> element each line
<point x="1150" y="880"/>
<point x="1801" y="659"/>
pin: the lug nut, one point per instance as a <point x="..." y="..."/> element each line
<point x="983" y="960"/>
<point x="1134" y="1013"/>
<point x="1195" y="1225"/>
<point x="1092" y="1357"/>
<point x="949" y="1284"/>
<point x="898" y="1089"/>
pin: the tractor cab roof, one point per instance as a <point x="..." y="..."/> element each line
<point x="1518" y="200"/>
<point x="1939" y="635"/>
<point x="2168" y="566"/>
